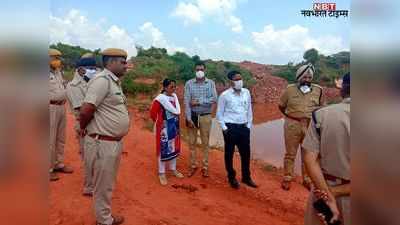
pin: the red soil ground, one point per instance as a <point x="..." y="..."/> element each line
<point x="189" y="201"/>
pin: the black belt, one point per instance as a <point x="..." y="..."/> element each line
<point x="200" y="114"/>
<point x="204" y="114"/>
<point x="236" y="124"/>
<point x="57" y="102"/>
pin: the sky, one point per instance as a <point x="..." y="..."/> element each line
<point x="269" y="32"/>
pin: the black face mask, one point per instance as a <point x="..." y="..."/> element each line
<point x="86" y="78"/>
<point x="305" y="83"/>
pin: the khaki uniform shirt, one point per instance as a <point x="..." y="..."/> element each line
<point x="57" y="90"/>
<point x="111" y="117"/>
<point x="76" y="90"/>
<point x="333" y="145"/>
<point x="301" y="105"/>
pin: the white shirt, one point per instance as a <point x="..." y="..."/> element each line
<point x="235" y="107"/>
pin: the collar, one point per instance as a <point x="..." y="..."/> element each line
<point x="298" y="88"/>
<point x="77" y="79"/>
<point x="234" y="92"/>
<point x="112" y="75"/>
<point x="205" y="80"/>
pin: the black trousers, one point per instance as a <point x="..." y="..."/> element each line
<point x="237" y="135"/>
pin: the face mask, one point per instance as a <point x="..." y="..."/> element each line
<point x="56" y="63"/>
<point x="305" y="89"/>
<point x="238" y="84"/>
<point x="200" y="74"/>
<point x="90" y="73"/>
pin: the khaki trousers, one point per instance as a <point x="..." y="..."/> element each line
<point x="57" y="135"/>
<point x="103" y="157"/>
<point x="88" y="185"/>
<point x="204" y="128"/>
<point x="294" y="132"/>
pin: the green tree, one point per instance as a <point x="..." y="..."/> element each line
<point x="311" y="56"/>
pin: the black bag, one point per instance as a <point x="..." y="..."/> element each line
<point x="195" y="119"/>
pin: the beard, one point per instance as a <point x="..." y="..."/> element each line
<point x="305" y="83"/>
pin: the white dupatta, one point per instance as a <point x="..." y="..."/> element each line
<point x="163" y="99"/>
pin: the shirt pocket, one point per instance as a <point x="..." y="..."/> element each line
<point x="314" y="100"/>
<point x="117" y="97"/>
<point x="295" y="102"/>
<point x="244" y="104"/>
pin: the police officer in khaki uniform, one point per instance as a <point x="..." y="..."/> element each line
<point x="297" y="103"/>
<point x="76" y="90"/>
<point x="104" y="121"/>
<point x="57" y="98"/>
<point x="327" y="158"/>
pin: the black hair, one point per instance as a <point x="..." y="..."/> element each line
<point x="232" y="73"/>
<point x="166" y="82"/>
<point x="345" y="90"/>
<point x="200" y="63"/>
<point x="107" y="59"/>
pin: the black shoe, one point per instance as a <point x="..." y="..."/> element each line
<point x="234" y="183"/>
<point x="250" y="183"/>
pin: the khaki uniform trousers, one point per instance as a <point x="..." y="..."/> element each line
<point x="103" y="158"/>
<point x="87" y="168"/>
<point x="204" y="128"/>
<point x="294" y="132"/>
<point x="57" y="135"/>
<point x="343" y="202"/>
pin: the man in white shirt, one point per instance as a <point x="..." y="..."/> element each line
<point x="235" y="116"/>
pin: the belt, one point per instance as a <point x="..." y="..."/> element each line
<point x="336" y="179"/>
<point x="299" y="119"/>
<point x="236" y="124"/>
<point x="57" y="102"/>
<point x="200" y="114"/>
<point x="204" y="114"/>
<point x="104" y="137"/>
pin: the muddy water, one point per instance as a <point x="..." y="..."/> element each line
<point x="267" y="142"/>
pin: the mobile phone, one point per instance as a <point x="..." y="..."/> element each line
<point x="321" y="207"/>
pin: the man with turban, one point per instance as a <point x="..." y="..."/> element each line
<point x="297" y="103"/>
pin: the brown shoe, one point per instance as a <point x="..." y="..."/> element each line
<point x="204" y="172"/>
<point x="87" y="194"/>
<point x="192" y="171"/>
<point x="285" y="185"/>
<point x="116" y="220"/>
<point x="65" y="169"/>
<point x="53" y="176"/>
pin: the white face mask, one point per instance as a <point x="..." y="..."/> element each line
<point x="305" y="89"/>
<point x="237" y="84"/>
<point x="200" y="74"/>
<point x="90" y="73"/>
